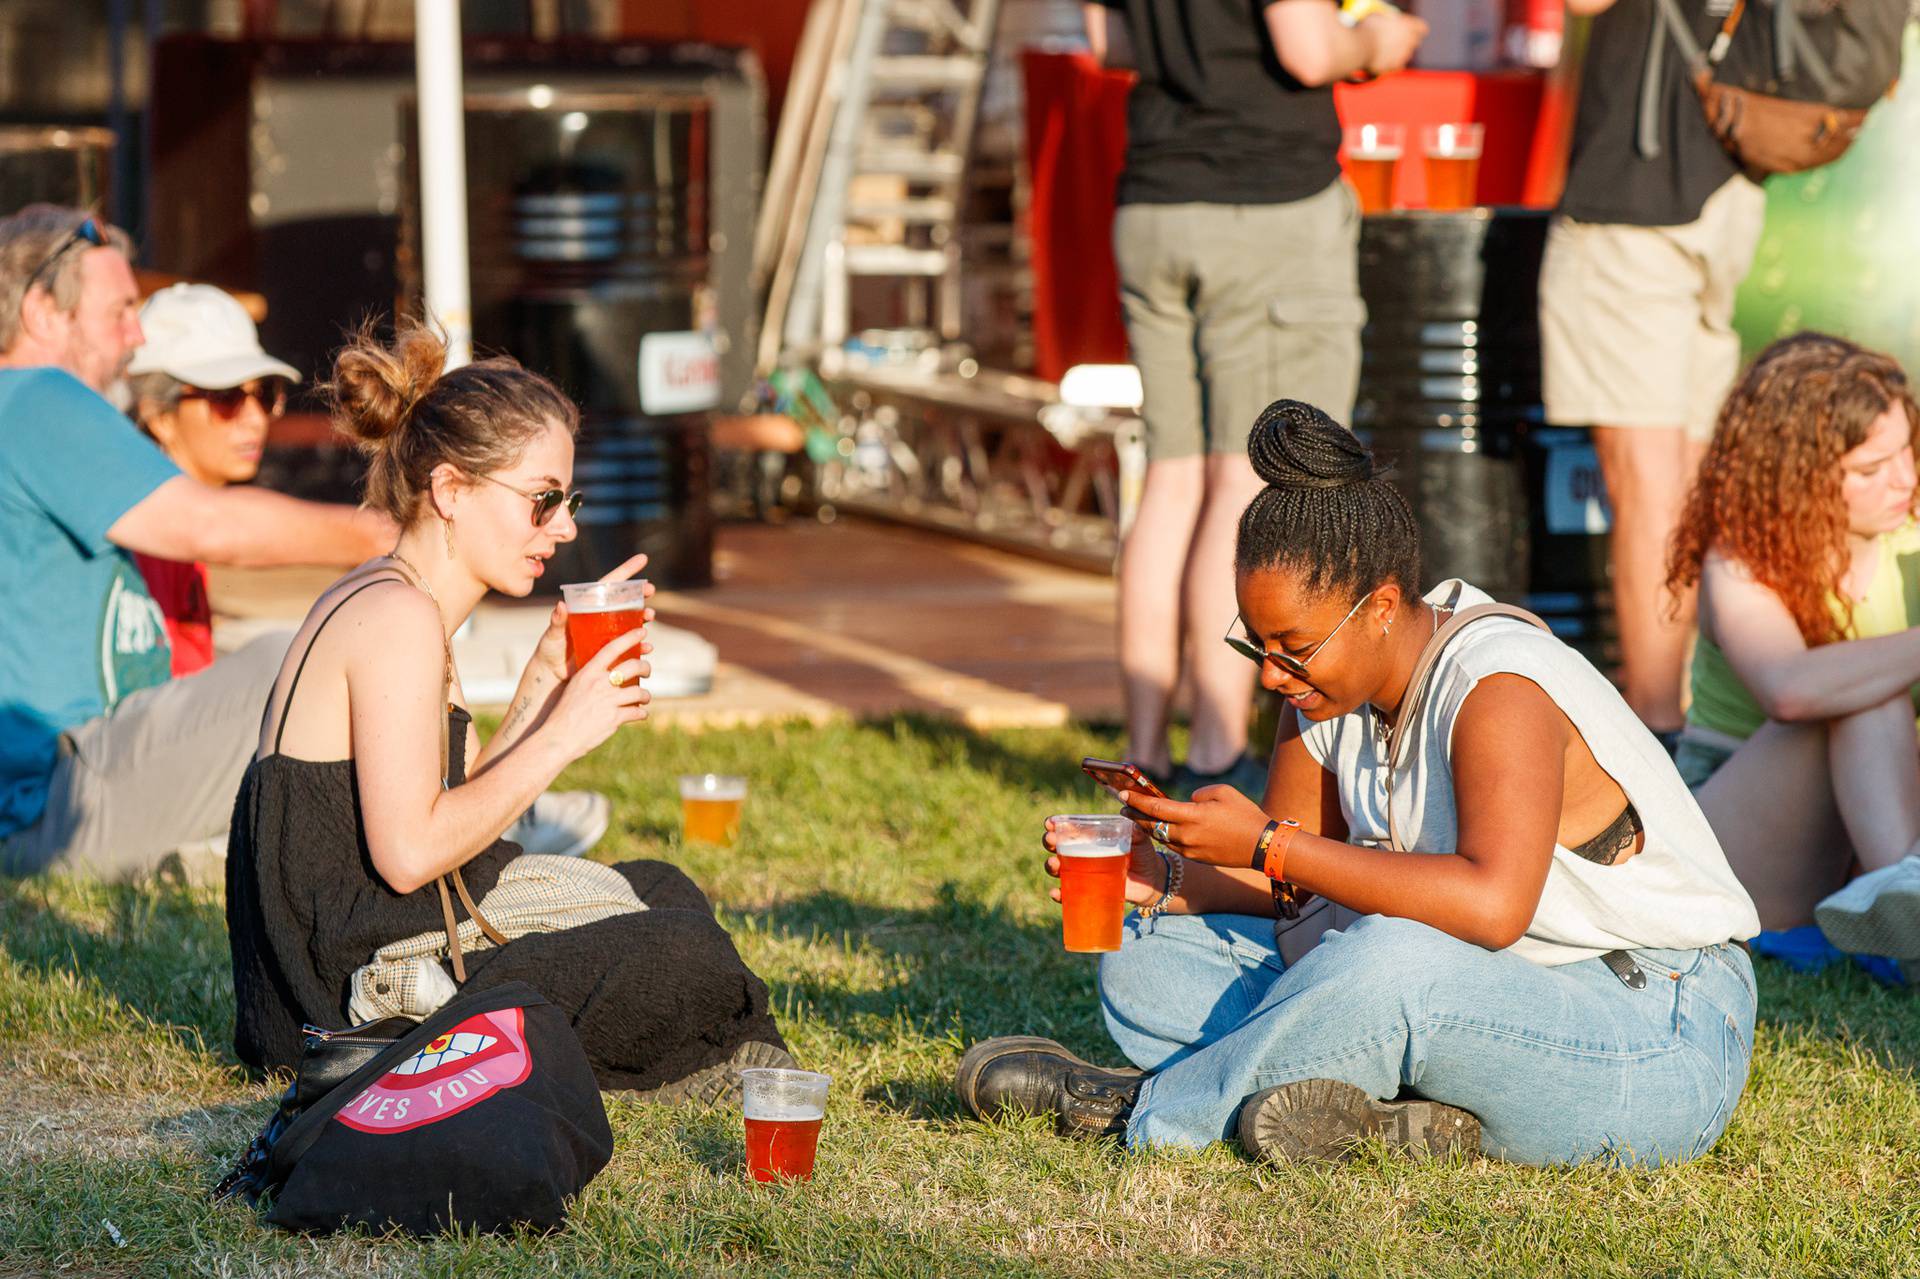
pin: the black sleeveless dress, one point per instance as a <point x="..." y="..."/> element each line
<point x="654" y="996"/>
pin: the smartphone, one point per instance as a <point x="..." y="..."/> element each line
<point x="1116" y="776"/>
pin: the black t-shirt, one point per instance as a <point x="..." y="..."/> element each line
<point x="1215" y="119"/>
<point x="1607" y="178"/>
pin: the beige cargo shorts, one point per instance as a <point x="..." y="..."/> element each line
<point x="1636" y="322"/>
<point x="1232" y="306"/>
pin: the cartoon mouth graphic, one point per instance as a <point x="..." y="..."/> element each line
<point x="482" y="1055"/>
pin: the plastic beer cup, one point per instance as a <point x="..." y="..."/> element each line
<point x="710" y="806"/>
<point x="1453" y="163"/>
<point x="1094" y="852"/>
<point x="1372" y="152"/>
<point x="783" y="1110"/>
<point x="599" y="612"/>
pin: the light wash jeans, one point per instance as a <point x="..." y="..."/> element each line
<point x="1560" y="1065"/>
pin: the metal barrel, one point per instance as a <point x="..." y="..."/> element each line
<point x="1450" y="394"/>
<point x="588" y="242"/>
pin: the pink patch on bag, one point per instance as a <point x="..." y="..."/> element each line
<point x="461" y="1068"/>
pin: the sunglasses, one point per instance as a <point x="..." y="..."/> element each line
<point x="1238" y="640"/>
<point x="270" y="394"/>
<point x="88" y="232"/>
<point x="545" y="501"/>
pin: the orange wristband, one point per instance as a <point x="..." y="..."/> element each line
<point x="1270" y="854"/>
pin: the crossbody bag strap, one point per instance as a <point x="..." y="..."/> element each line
<point x="1421" y="682"/>
<point x="466" y="899"/>
<point x="453" y="930"/>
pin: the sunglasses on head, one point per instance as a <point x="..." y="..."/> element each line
<point x="269" y="393"/>
<point x="88" y="232"/>
<point x="545" y="501"/>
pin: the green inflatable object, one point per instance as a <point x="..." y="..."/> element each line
<point x="1841" y="250"/>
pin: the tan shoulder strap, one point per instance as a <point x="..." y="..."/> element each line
<point x="1418" y="684"/>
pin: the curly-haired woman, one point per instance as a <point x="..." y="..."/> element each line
<point x="1801" y="534"/>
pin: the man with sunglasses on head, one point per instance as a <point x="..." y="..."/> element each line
<point x="107" y="765"/>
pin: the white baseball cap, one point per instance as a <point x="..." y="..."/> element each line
<point x="202" y="336"/>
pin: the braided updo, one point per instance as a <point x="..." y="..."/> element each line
<point x="1326" y="512"/>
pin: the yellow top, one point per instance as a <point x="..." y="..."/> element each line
<point x="1890" y="605"/>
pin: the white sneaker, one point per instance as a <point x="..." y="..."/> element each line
<point x="562" y="823"/>
<point x="1876" y="914"/>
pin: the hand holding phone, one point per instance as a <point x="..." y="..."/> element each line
<point x="1117" y="776"/>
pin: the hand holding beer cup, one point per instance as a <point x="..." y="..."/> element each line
<point x="551" y="654"/>
<point x="1102" y="863"/>
<point x="600" y="612"/>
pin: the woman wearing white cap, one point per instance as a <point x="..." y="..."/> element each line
<point x="206" y="392"/>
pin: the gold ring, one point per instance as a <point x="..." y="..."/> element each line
<point x="613" y="679"/>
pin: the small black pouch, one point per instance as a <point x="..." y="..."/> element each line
<point x="485" y="1116"/>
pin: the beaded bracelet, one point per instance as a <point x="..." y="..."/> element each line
<point x="1176" y="872"/>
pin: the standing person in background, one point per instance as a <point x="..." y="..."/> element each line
<point x="206" y="392"/>
<point x="1656" y="229"/>
<point x="1237" y="248"/>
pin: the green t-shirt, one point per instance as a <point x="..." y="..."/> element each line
<point x="1890" y="605"/>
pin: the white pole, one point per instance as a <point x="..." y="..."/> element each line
<point x="443" y="174"/>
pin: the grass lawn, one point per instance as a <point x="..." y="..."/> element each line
<point x="888" y="888"/>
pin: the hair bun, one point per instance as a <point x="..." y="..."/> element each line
<point x="375" y="387"/>
<point x="1295" y="445"/>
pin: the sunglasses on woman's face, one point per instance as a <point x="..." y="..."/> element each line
<point x="545" y="501"/>
<point x="1242" y="643"/>
<point x="269" y="393"/>
<point x="88" y="232"/>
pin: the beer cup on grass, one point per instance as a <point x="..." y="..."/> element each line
<point x="1093" y="852"/>
<point x="710" y="806"/>
<point x="599" y="612"/>
<point x="783" y="1113"/>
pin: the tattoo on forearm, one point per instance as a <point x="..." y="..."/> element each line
<point x="517" y="712"/>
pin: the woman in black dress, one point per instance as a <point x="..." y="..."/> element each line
<point x="370" y="783"/>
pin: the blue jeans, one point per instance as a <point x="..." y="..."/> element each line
<point x="1560" y="1065"/>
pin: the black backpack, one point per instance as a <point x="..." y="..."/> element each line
<point x="485" y="1116"/>
<point x="1785" y="84"/>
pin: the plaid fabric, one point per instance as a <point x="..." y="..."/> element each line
<point x="534" y="894"/>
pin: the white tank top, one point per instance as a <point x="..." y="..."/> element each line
<point x="1677" y="893"/>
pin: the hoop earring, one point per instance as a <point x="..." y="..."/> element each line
<point x="446" y="527"/>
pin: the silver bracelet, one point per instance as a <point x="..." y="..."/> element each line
<point x="1176" y="871"/>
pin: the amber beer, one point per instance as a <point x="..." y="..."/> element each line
<point x="1093" y="896"/>
<point x="1373" y="150"/>
<point x="710" y="807"/>
<point x="782" y="1149"/>
<point x="782" y="1114"/>
<point x="1453" y="164"/>
<point x="600" y="612"/>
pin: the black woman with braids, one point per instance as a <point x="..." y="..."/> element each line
<point x="1476" y="909"/>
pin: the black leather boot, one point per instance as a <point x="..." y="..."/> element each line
<point x="1022" y="1074"/>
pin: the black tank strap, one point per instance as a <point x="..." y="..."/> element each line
<point x="286" y="703"/>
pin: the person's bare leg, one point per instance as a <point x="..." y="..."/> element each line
<point x="1874" y="759"/>
<point x="1222" y="679"/>
<point x="1646" y="476"/>
<point x="1772" y="807"/>
<point x="1153" y="562"/>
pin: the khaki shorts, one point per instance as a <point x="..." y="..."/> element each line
<point x="1233" y="306"/>
<point x="1636" y="322"/>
